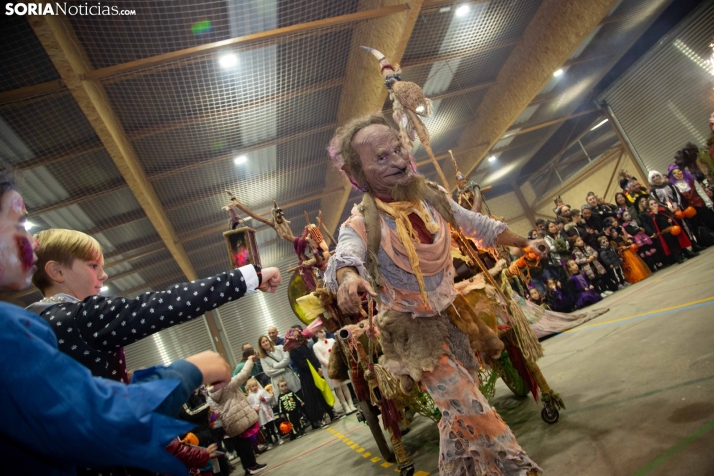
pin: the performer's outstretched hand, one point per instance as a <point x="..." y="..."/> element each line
<point x="271" y="280"/>
<point x="539" y="247"/>
<point x="351" y="287"/>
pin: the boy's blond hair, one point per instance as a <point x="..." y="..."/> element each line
<point x="63" y="246"/>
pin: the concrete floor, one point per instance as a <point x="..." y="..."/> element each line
<point x="638" y="383"/>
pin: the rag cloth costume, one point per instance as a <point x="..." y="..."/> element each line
<point x="56" y="415"/>
<point x="545" y="323"/>
<point x="404" y="249"/>
<point x="290" y="405"/>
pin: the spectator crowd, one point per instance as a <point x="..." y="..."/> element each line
<point x="599" y="247"/>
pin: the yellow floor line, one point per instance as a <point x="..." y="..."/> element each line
<point x="641" y="314"/>
<point x="376" y="459"/>
<point x="386" y="464"/>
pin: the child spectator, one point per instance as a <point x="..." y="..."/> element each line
<point x="612" y="262"/>
<point x="634" y="268"/>
<point x="558" y="298"/>
<point x="262" y="402"/>
<point x="290" y="408"/>
<point x="586" y="258"/>
<point x="240" y="421"/>
<point x="585" y="293"/>
<point x="537" y="298"/>
<point x="645" y="247"/>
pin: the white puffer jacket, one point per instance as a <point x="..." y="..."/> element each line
<point x="235" y="411"/>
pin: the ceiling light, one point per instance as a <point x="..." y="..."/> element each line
<point x="492" y="158"/>
<point x="462" y="10"/>
<point x="104" y="289"/>
<point x="28" y="225"/>
<point x="228" y="60"/>
<point x="559" y="72"/>
<point x="598" y="125"/>
<point x="241" y="159"/>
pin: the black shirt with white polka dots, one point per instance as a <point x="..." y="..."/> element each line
<point x="94" y="331"/>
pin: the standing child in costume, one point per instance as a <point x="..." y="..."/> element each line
<point x="586" y="257"/>
<point x="322" y="349"/>
<point x="634" y="268"/>
<point x="290" y="408"/>
<point x="585" y="293"/>
<point x="262" y="402"/>
<point x="612" y="262"/>
<point x="645" y="248"/>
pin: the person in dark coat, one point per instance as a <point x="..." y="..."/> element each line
<point x="315" y="404"/>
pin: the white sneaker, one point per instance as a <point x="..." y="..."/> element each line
<point x="609" y="293"/>
<point x="603" y="295"/>
<point x="269" y="447"/>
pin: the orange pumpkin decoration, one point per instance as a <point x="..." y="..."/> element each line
<point x="689" y="212"/>
<point x="676" y="230"/>
<point x="521" y="262"/>
<point x="285" y="427"/>
<point x="634" y="248"/>
<point x="190" y="439"/>
<point x="531" y="256"/>
<point x="679" y="214"/>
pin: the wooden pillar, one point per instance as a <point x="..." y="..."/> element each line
<point x="524" y="203"/>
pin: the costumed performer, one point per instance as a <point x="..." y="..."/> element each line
<point x="696" y="197"/>
<point x="669" y="196"/>
<point x="76" y="419"/>
<point x="661" y="224"/>
<point x="398" y="242"/>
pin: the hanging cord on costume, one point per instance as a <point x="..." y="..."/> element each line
<point x="527" y="340"/>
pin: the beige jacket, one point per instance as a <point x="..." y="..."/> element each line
<point x="235" y="411"/>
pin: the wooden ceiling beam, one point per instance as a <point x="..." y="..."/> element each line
<point x="588" y="58"/>
<point x="364" y="91"/>
<point x="70" y="59"/>
<point x="31" y="91"/>
<point x="241" y="41"/>
<point x="556" y="30"/>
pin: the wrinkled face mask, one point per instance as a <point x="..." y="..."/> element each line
<point x="385" y="162"/>
<point x="17" y="255"/>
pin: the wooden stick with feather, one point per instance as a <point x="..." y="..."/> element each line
<point x="408" y="103"/>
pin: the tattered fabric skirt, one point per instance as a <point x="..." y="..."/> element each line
<point x="474" y="440"/>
